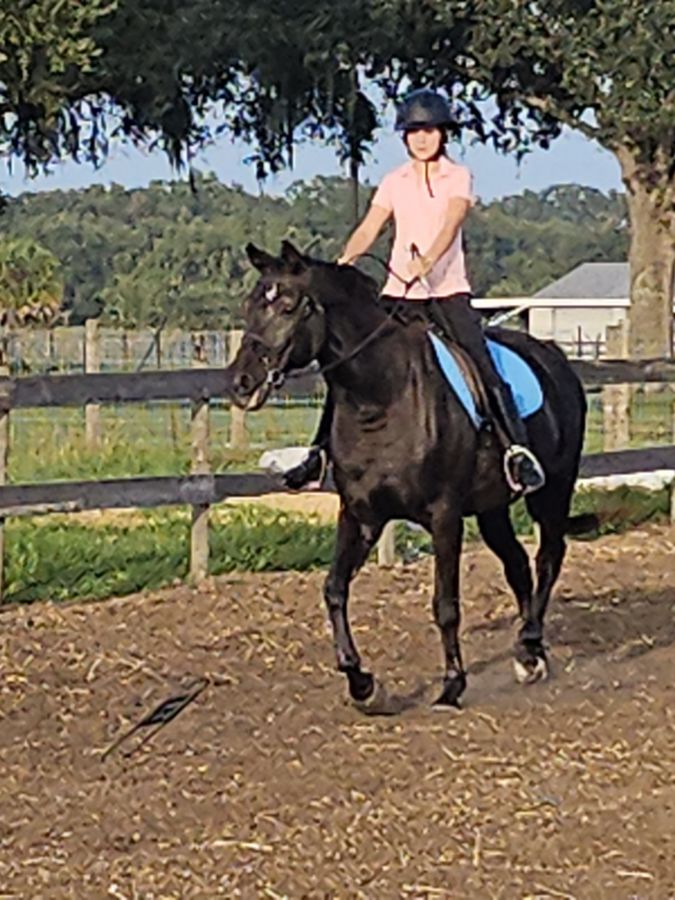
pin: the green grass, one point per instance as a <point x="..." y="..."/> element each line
<point x="53" y="559"/>
<point x="651" y="418"/>
<point x="49" y="444"/>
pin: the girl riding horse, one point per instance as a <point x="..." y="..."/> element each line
<point x="429" y="198"/>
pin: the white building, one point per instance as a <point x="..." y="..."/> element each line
<point x="575" y="310"/>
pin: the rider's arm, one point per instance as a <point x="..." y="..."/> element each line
<point x="365" y="235"/>
<point x="458" y="208"/>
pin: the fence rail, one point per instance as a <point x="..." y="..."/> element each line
<point x="125" y="493"/>
<point x="207" y="489"/>
<point x="210" y="384"/>
<point x="201" y="488"/>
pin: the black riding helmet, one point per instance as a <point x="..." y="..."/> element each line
<point x="423" y="109"/>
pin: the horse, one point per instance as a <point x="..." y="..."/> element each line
<point x="403" y="447"/>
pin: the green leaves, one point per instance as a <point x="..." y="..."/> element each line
<point x="604" y="66"/>
<point x="31" y="283"/>
<point x="73" y="74"/>
<point x="44" y="47"/>
<point x="143" y="255"/>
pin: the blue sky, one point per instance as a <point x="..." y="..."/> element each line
<point x="572" y="158"/>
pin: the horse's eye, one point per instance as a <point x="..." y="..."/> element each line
<point x="287" y="306"/>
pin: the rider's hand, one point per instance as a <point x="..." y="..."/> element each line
<point x="345" y="260"/>
<point x="419" y="267"/>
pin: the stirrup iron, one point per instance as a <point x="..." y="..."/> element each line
<point x="517" y="487"/>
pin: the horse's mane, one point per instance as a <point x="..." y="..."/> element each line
<point x="345" y="282"/>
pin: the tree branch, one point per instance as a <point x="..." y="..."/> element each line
<point x="546" y="105"/>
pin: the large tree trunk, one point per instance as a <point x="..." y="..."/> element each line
<point x="651" y="209"/>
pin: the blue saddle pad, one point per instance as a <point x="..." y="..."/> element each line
<point x="513" y="369"/>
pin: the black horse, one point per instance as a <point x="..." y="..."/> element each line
<point x="403" y="447"/>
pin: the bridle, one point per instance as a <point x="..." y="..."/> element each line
<point x="276" y="377"/>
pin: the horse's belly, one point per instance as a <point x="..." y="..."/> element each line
<point x="399" y="481"/>
<point x="379" y="489"/>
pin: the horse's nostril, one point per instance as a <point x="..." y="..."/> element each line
<point x="243" y="383"/>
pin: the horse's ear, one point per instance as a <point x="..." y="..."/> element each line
<point x="293" y="258"/>
<point x="263" y="262"/>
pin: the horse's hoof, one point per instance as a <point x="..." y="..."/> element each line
<point x="531" y="672"/>
<point x="453" y="688"/>
<point x="375" y="703"/>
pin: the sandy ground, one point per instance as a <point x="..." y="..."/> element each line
<point x="271" y="785"/>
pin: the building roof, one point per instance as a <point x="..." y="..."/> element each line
<point x="593" y="279"/>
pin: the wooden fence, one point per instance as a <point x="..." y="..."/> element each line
<point x="63" y="349"/>
<point x="202" y="488"/>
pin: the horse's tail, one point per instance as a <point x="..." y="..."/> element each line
<point x="582" y="524"/>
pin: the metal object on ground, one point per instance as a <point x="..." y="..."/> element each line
<point x="159" y="717"/>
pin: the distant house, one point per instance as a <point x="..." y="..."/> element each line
<point x="575" y="310"/>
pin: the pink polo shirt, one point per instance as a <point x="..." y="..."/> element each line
<point x="418" y="219"/>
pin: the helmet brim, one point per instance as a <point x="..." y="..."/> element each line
<point x="418" y="126"/>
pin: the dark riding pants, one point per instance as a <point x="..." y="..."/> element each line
<point x="458" y="321"/>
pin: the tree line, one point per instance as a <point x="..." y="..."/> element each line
<point x="174" y="253"/>
<point x="73" y="75"/>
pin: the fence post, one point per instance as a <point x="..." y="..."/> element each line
<point x="386" y="546"/>
<point x="92" y="363"/>
<point x="616" y="397"/>
<point x="238" y="436"/>
<point x="124" y="350"/>
<point x="158" y="346"/>
<point x="50" y="350"/>
<point x="199" y="425"/>
<point x="672" y="483"/>
<point x="4" y="453"/>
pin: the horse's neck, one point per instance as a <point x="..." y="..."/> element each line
<point x="374" y="364"/>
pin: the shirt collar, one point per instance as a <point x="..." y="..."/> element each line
<point x="445" y="167"/>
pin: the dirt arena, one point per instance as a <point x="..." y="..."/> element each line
<point x="271" y="785"/>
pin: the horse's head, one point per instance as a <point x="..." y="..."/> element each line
<point x="285" y="327"/>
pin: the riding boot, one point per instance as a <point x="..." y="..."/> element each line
<point x="523" y="471"/>
<point x="311" y="472"/>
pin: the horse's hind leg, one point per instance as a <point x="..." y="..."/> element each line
<point x="352" y="547"/>
<point x="447" y="536"/>
<point x="497" y="531"/>
<point x="550" y="509"/>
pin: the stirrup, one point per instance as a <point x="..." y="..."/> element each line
<point x="511" y="453"/>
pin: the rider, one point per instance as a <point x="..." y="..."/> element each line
<point x="429" y="198"/>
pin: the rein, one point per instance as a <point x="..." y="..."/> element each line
<point x="276" y="376"/>
<point x="373" y="334"/>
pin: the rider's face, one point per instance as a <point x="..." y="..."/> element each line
<point x="424" y="143"/>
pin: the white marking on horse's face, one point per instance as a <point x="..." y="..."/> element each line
<point x="272" y="293"/>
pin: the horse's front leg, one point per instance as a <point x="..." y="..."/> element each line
<point x="446" y="530"/>
<point x="354" y="542"/>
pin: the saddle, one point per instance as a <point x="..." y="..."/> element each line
<point x="462" y="375"/>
